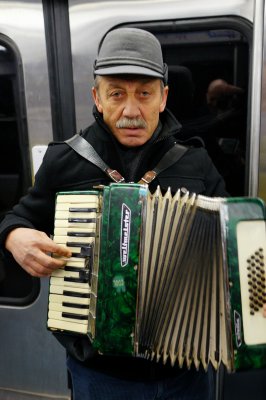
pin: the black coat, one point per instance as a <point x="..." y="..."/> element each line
<point x="63" y="169"/>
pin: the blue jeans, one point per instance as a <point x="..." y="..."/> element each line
<point x="91" y="384"/>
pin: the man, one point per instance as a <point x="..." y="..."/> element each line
<point x="221" y="96"/>
<point x="132" y="131"/>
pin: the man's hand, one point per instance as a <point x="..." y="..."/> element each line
<point x="29" y="248"/>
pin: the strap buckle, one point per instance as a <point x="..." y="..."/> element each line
<point x="148" y="177"/>
<point x="114" y="175"/>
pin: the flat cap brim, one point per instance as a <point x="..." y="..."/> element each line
<point x="128" y="70"/>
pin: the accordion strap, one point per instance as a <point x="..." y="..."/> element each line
<point x="86" y="150"/>
<point x="170" y="158"/>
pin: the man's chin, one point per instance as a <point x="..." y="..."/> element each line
<point x="133" y="142"/>
<point x="132" y="138"/>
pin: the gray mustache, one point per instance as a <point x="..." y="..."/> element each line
<point x="131" y="123"/>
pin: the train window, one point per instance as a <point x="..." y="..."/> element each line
<point x="16" y="287"/>
<point x="208" y="64"/>
<point x="215" y="97"/>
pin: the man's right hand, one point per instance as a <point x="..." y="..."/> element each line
<point x="30" y="248"/>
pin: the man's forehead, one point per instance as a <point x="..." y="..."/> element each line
<point x="113" y="80"/>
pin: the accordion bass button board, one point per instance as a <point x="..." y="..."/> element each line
<point x="244" y="236"/>
<point x="252" y="273"/>
<point x="176" y="278"/>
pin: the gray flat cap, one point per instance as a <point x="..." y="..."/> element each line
<point x="131" y="51"/>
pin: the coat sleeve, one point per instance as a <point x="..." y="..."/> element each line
<point x="35" y="209"/>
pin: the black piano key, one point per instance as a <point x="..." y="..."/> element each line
<point x="81" y="234"/>
<point x="76" y="280"/>
<point x="84" y="273"/>
<point x="74" y="316"/>
<point x="74" y="305"/>
<point x="86" y="251"/>
<point x="78" y="255"/>
<point x="71" y="268"/>
<point x="78" y="244"/>
<point x="76" y="294"/>
<point x="82" y="220"/>
<point x="85" y="209"/>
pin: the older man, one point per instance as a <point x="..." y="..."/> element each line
<point x="132" y="132"/>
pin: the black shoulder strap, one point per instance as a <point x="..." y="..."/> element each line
<point x="86" y="150"/>
<point x="169" y="158"/>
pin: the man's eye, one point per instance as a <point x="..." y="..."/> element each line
<point x="116" y="94"/>
<point x="145" y="94"/>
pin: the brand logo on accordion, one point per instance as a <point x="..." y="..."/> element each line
<point x="125" y="234"/>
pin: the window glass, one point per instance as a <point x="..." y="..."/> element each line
<point x="208" y="93"/>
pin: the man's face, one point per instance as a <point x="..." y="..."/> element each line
<point x="130" y="107"/>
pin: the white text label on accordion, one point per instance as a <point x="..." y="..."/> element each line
<point x="125" y="234"/>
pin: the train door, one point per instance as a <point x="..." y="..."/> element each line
<point x="32" y="363"/>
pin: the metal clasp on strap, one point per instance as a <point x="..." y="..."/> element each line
<point x="148" y="177"/>
<point x="115" y="175"/>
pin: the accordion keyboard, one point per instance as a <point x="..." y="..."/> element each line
<point x="69" y="296"/>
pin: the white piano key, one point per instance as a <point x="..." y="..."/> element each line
<point x="56" y="298"/>
<point x="58" y="315"/>
<point x="73" y="310"/>
<point x="76" y="255"/>
<point x="77" y="198"/>
<point x="70" y="260"/>
<point x="76" y="263"/>
<point x="64" y="223"/>
<point x="78" y="230"/>
<point x="59" y="214"/>
<point x="77" y="250"/>
<point x="57" y="289"/>
<point x="67" y="325"/>
<point x="59" y="281"/>
<point x="61" y="273"/>
<point x="92" y="206"/>
<point x="63" y="239"/>
<point x="87" y="205"/>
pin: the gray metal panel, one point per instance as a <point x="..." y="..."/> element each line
<point x="31" y="359"/>
<point x="22" y="21"/>
<point x="256" y="91"/>
<point x="262" y="162"/>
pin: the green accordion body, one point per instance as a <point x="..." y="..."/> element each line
<point x="168" y="277"/>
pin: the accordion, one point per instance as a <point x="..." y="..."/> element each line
<point x="178" y="277"/>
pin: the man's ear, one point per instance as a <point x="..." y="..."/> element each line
<point x="96" y="99"/>
<point x="164" y="98"/>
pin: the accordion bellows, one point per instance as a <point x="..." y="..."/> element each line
<point x="181" y="302"/>
<point x="173" y="278"/>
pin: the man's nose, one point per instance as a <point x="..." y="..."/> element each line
<point x="131" y="108"/>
